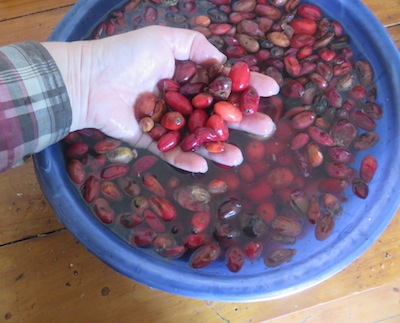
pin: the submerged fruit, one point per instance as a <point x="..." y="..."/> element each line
<point x="325" y="113"/>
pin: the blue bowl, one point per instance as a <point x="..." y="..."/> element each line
<point x="362" y="222"/>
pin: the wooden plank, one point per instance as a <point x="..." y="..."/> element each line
<point x="32" y="27"/>
<point x="388" y="12"/>
<point x="25" y="211"/>
<point x="23" y="208"/>
<point x="39" y="26"/>
<point x="394" y="32"/>
<point x="10" y="9"/>
<point x="45" y="276"/>
<point x="353" y="308"/>
<point x="377" y="267"/>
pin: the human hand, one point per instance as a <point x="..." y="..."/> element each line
<point x="104" y="78"/>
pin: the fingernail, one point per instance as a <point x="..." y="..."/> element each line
<point x="238" y="160"/>
<point x="224" y="59"/>
<point x="273" y="88"/>
<point x="269" y="129"/>
<point x="203" y="169"/>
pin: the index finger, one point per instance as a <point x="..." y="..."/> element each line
<point x="190" y="45"/>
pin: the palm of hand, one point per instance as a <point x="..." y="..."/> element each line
<point x="127" y="65"/>
<point x="141" y="63"/>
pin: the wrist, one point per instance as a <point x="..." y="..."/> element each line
<point x="75" y="73"/>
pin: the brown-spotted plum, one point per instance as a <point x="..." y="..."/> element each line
<point x="205" y="255"/>
<point x="324" y="227"/>
<point x="368" y="168"/>
<point x="278" y="257"/>
<point x="286" y="226"/>
<point x="103" y="210"/>
<point x="234" y="259"/>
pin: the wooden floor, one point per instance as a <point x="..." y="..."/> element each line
<point x="47" y="276"/>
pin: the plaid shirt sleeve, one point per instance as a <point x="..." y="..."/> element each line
<point x="35" y="110"/>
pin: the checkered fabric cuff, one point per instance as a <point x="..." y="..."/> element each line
<point x="35" y="110"/>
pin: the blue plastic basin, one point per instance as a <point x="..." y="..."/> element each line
<point x="361" y="224"/>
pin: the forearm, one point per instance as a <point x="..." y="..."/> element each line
<point x="35" y="110"/>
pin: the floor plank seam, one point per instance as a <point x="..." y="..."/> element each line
<point x="394" y="24"/>
<point x="40" y="235"/>
<point x="35" y="13"/>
